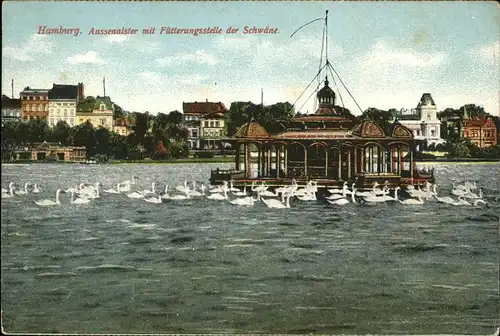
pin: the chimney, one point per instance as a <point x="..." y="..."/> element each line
<point x="207" y="100"/>
<point x="104" y="85"/>
<point x="12" y="88"/>
<point x="81" y="94"/>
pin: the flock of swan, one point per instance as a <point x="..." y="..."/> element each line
<point x="278" y="199"/>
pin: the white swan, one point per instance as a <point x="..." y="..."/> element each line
<point x="218" y="196"/>
<point x="195" y="192"/>
<point x="289" y="188"/>
<point x="11" y="184"/>
<point x="152" y="191"/>
<point x="113" y="191"/>
<point x="47" y="202"/>
<point x="23" y="192"/>
<point x="445" y="199"/>
<point x="83" y="200"/>
<point x="128" y="182"/>
<point x="479" y="201"/>
<point x="474" y="196"/>
<point x="249" y="200"/>
<point x="461" y="201"/>
<point x="338" y="191"/>
<point x="409" y="201"/>
<point x="268" y="193"/>
<point x="232" y="188"/>
<point x="8" y="194"/>
<point x="155" y="200"/>
<point x="308" y="196"/>
<point x="35" y="190"/>
<point x="219" y="189"/>
<point x="135" y="194"/>
<point x="165" y="194"/>
<point x="262" y="187"/>
<point x="241" y="193"/>
<point x="343" y="201"/>
<point x="183" y="188"/>
<point x="276" y="204"/>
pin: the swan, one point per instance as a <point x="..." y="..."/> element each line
<point x="219" y="189"/>
<point x="195" y="192"/>
<point x="392" y="198"/>
<point x="249" y="200"/>
<point x="345" y="191"/>
<point x="8" y="194"/>
<point x="343" y="201"/>
<point x="165" y="194"/>
<point x="461" y="201"/>
<point x="310" y="187"/>
<point x="183" y="188"/>
<point x="47" y="202"/>
<point x="155" y="200"/>
<point x="474" y="196"/>
<point x="338" y="191"/>
<point x="268" y="193"/>
<point x="477" y="202"/>
<point x="135" y="194"/>
<point x="459" y="190"/>
<point x="179" y="197"/>
<point x="374" y="192"/>
<point x="409" y="201"/>
<point x="35" y="190"/>
<point x="218" y="196"/>
<point x="241" y="193"/>
<point x="128" y="182"/>
<point x="78" y="200"/>
<point x="232" y="188"/>
<point x="11" y="184"/>
<point x="289" y="188"/>
<point x="260" y="188"/>
<point x="310" y="196"/>
<point x="113" y="191"/>
<point x="23" y="192"/>
<point x="446" y="199"/>
<point x="276" y="204"/>
<point x="152" y="191"/>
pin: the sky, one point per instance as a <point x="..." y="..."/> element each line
<point x="386" y="53"/>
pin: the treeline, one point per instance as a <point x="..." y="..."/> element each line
<point x="153" y="136"/>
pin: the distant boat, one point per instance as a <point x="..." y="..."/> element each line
<point x="89" y="162"/>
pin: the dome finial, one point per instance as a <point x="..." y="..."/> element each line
<point x="326" y="80"/>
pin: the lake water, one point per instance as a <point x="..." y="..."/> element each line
<point x="120" y="265"/>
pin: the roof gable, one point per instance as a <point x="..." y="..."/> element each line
<point x="203" y="108"/>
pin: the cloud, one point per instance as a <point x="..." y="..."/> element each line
<point x="489" y="52"/>
<point x="198" y="56"/>
<point x="149" y="77"/>
<point x="36" y="44"/>
<point x="383" y="53"/>
<point x="117" y="38"/>
<point x="91" y="57"/>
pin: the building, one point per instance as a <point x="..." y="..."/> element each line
<point x="98" y="111"/>
<point x="45" y="150"/>
<point x="11" y="109"/>
<point x="213" y="129"/>
<point x="423" y="121"/>
<point x="329" y="146"/>
<point x="122" y="126"/>
<point x="63" y="100"/>
<point x="34" y="104"/>
<point x="482" y="131"/>
<point x="193" y="113"/>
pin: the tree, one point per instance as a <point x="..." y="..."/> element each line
<point x="175" y="117"/>
<point x="459" y="150"/>
<point x="83" y="135"/>
<point x="102" y="141"/>
<point x="38" y="131"/>
<point x="61" y="133"/>
<point x="161" y="151"/>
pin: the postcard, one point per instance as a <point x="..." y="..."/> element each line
<point x="277" y="167"/>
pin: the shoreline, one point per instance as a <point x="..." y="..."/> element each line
<point x="230" y="159"/>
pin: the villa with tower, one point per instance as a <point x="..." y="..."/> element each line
<point x="423" y="122"/>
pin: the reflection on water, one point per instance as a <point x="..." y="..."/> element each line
<point x="120" y="265"/>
